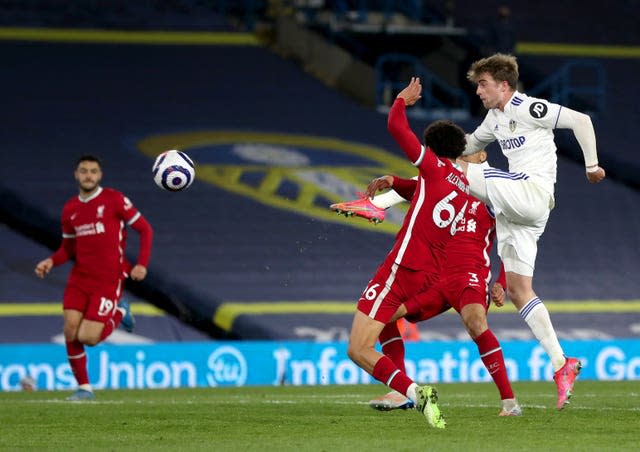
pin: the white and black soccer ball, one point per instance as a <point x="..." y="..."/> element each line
<point x="173" y="170"/>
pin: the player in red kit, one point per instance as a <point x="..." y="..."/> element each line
<point x="414" y="261"/>
<point x="464" y="281"/>
<point x="94" y="234"/>
<point x="464" y="285"/>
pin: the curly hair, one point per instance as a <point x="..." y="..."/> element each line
<point x="500" y="66"/>
<point x="445" y="138"/>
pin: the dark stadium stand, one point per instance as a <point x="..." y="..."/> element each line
<point x="291" y="272"/>
<point x="30" y="310"/>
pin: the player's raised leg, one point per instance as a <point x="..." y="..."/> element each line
<point x="363" y="207"/>
<point x="128" y="322"/>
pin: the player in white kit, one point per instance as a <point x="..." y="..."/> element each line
<point x="523" y="197"/>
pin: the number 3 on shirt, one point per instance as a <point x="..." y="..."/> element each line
<point x="444" y="213"/>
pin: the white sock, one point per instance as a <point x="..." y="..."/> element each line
<point x="386" y="200"/>
<point x="412" y="394"/>
<point x="509" y="404"/>
<point x="537" y="317"/>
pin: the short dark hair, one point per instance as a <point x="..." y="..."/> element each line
<point x="445" y="138"/>
<point x="88" y="158"/>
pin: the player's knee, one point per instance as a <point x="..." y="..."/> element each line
<point x="475" y="325"/>
<point x="519" y="295"/>
<point x="70" y="331"/>
<point x="356" y="353"/>
<point x="88" y="338"/>
<point x="352" y="352"/>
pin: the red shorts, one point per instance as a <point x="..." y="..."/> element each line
<point x="391" y="286"/>
<point x="97" y="300"/>
<point x="454" y="291"/>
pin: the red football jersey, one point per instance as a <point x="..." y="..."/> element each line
<point x="438" y="204"/>
<point x="467" y="264"/>
<point x="470" y="251"/>
<point x="97" y="225"/>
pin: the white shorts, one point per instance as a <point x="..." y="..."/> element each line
<point x="522" y="210"/>
<point x="518" y="245"/>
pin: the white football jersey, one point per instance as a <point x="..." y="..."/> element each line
<point x="524" y="131"/>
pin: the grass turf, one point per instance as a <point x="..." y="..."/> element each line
<point x="603" y="416"/>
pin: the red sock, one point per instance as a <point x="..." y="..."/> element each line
<point x="386" y="372"/>
<point x="111" y="324"/>
<point x="392" y="344"/>
<point x="491" y="355"/>
<point x="78" y="362"/>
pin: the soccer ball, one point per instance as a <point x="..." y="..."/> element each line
<point x="173" y="170"/>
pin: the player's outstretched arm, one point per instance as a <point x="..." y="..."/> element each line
<point x="398" y="125"/>
<point x="403" y="187"/>
<point x="582" y="128"/>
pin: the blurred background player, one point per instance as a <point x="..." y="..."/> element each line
<point x="418" y="251"/>
<point x="523" y="197"/>
<point x="94" y="234"/>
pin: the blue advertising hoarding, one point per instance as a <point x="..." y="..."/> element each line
<point x="211" y="364"/>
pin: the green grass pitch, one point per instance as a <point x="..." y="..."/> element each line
<point x="602" y="416"/>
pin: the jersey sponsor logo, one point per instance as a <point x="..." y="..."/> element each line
<point x="299" y="173"/>
<point x="538" y="110"/>
<point x="512" y="125"/>
<point x="89" y="229"/>
<point x="512" y="143"/>
<point x="471" y="225"/>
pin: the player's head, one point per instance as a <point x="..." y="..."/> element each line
<point x="88" y="173"/>
<point x="477" y="157"/>
<point x="445" y="138"/>
<point x="496" y="78"/>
